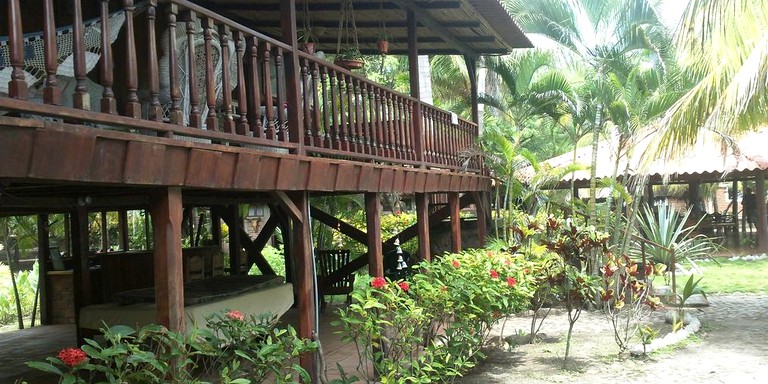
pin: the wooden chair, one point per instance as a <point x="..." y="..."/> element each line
<point x="328" y="262"/>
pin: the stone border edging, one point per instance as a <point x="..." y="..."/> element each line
<point x="671" y="338"/>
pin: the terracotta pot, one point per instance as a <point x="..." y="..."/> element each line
<point x="383" y="47"/>
<point x="350" y="63"/>
<point x="308" y="48"/>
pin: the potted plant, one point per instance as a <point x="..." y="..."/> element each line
<point x="307" y="40"/>
<point x="349" y="58"/>
<point x="383" y="43"/>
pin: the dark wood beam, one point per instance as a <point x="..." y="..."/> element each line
<point x="377" y="24"/>
<point x="236" y="238"/>
<point x="404" y="235"/>
<point x="81" y="268"/>
<point x="453" y="206"/>
<point x="426" y="19"/>
<point x="254" y="247"/>
<point x="373" y="221"/>
<point x="422" y="224"/>
<point x="287" y="204"/>
<point x="43" y="255"/>
<point x="166" y="211"/>
<point x="762" y="228"/>
<point x="404" y="40"/>
<point x="339" y="225"/>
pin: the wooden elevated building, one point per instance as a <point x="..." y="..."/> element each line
<point x="164" y="105"/>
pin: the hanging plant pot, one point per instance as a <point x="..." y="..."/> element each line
<point x="308" y="47"/>
<point x="383" y="46"/>
<point x="350" y="63"/>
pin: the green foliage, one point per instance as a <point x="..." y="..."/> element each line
<point x="431" y="328"/>
<point x="26" y="282"/>
<point x="236" y="349"/>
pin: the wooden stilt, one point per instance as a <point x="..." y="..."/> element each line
<point x="762" y="227"/>
<point x="305" y="280"/>
<point x="735" y="211"/>
<point x="373" y="219"/>
<point x="422" y="224"/>
<point x="166" y="211"/>
<point x="453" y="204"/>
<point x="81" y="267"/>
<point x="43" y="255"/>
<point x="234" y="239"/>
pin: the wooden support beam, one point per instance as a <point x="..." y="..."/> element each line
<point x="375" y="6"/>
<point x="481" y="211"/>
<point x="425" y="18"/>
<point x="404" y="235"/>
<point x="453" y="206"/>
<point x="292" y="74"/>
<point x="235" y="238"/>
<point x="340" y="225"/>
<point x="285" y="202"/>
<point x="166" y="211"/>
<point x="254" y="247"/>
<point x="735" y="210"/>
<point x="305" y="282"/>
<point x="43" y="255"/>
<point x="422" y="224"/>
<point x="762" y="226"/>
<point x="373" y="220"/>
<point x="122" y="224"/>
<point x="81" y="267"/>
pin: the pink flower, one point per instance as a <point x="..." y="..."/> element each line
<point x="507" y="262"/>
<point x="456" y="264"/>
<point x="236" y="315"/>
<point x="511" y="281"/>
<point x="72" y="356"/>
<point x="378" y="282"/>
<point x="404" y="286"/>
<point x="494" y="274"/>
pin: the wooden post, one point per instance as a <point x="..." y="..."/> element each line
<point x="122" y="220"/>
<point x="81" y="267"/>
<point x="762" y="226"/>
<point x="234" y="240"/>
<point x="166" y="211"/>
<point x="292" y="74"/>
<point x="481" y="211"/>
<point x="43" y="255"/>
<point x="305" y="281"/>
<point x="453" y="204"/>
<point x="413" y="70"/>
<point x="735" y="210"/>
<point x="375" y="250"/>
<point x="422" y="224"/>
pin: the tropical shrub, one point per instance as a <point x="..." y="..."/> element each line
<point x="665" y="226"/>
<point x="235" y="349"/>
<point x="431" y="327"/>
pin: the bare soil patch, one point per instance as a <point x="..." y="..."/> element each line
<point x="731" y="347"/>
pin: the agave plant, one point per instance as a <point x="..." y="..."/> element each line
<point x="667" y="227"/>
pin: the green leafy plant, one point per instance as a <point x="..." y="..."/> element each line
<point x="691" y="287"/>
<point x="235" y="348"/>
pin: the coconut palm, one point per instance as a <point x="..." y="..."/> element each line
<point x="724" y="50"/>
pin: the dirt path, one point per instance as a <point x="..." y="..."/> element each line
<point x="731" y="347"/>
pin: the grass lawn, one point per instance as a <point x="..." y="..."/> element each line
<point x="732" y="276"/>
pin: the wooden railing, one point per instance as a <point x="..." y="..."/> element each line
<point x="182" y="71"/>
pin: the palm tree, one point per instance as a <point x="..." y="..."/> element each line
<point x="724" y="51"/>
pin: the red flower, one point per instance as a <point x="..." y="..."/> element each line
<point x="526" y="271"/>
<point x="72" y="356"/>
<point x="404" y="286"/>
<point x="378" y="282"/>
<point x="489" y="253"/>
<point x="494" y="274"/>
<point x="507" y="262"/>
<point x="236" y="315"/>
<point x="511" y="281"/>
<point x="456" y="264"/>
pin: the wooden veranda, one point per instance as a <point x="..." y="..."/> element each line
<point x="163" y="106"/>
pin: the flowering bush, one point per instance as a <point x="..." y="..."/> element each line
<point x="236" y="348"/>
<point x="433" y="326"/>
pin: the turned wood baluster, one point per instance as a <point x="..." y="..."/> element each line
<point x="155" y="109"/>
<point x="316" y="103"/>
<point x="281" y="97"/>
<point x="401" y="141"/>
<point x="328" y="128"/>
<point x="392" y="153"/>
<point x="371" y="119"/>
<point x="406" y="128"/>
<point x="225" y="36"/>
<point x="132" y="106"/>
<point x="211" y="119"/>
<point x="343" y="129"/>
<point x="108" y="102"/>
<point x="428" y="133"/>
<point x="268" y="99"/>
<point x="52" y="92"/>
<point x="17" y="86"/>
<point x="397" y="140"/>
<point x="305" y="98"/>
<point x="365" y="117"/>
<point x="242" y="100"/>
<point x="378" y="117"/>
<point x="175" y="115"/>
<point x="351" y="131"/>
<point x="80" y="99"/>
<point x="385" y="125"/>
<point x="411" y="131"/>
<point x="195" y="118"/>
<point x="253" y="88"/>
<point x="335" y="87"/>
<point x="358" y="109"/>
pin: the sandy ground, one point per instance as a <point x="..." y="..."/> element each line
<point x="731" y="347"/>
